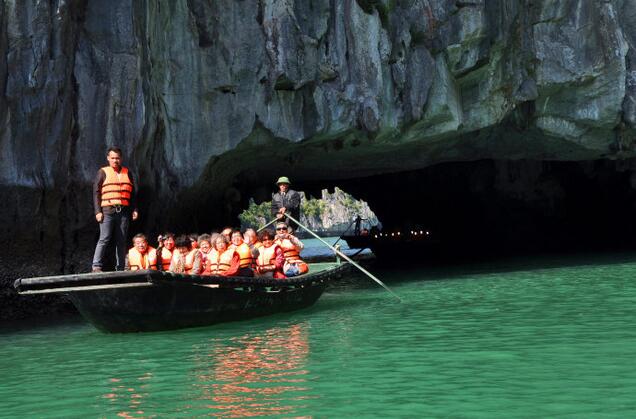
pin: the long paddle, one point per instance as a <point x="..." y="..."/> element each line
<point x="267" y="225"/>
<point x="345" y="257"/>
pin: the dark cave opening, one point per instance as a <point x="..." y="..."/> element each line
<point x="502" y="207"/>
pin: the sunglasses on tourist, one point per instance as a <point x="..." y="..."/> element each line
<point x="281" y="228"/>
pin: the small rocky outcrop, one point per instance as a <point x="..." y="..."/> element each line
<point x="334" y="213"/>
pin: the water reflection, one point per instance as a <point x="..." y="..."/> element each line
<point x="129" y="395"/>
<point x="255" y="375"/>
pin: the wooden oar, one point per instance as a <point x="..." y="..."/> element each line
<point x="267" y="225"/>
<point x="342" y="255"/>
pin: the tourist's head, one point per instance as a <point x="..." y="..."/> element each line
<point x="194" y="240"/>
<point x="237" y="238"/>
<point x="266" y="237"/>
<point x="168" y="241"/>
<point x="205" y="242"/>
<point x="249" y="236"/>
<point x="282" y="228"/>
<point x="221" y="243"/>
<point x="183" y="244"/>
<point x="140" y="242"/>
<point x="227" y="233"/>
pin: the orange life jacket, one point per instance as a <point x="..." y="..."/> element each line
<point x="166" y="258"/>
<point x="138" y="261"/>
<point x="266" y="256"/>
<point x="245" y="253"/>
<point x="189" y="261"/>
<point x="204" y="257"/>
<point x="218" y="263"/>
<point x="117" y="187"/>
<point x="291" y="252"/>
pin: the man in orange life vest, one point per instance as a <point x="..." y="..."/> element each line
<point x="141" y="256"/>
<point x="114" y="202"/>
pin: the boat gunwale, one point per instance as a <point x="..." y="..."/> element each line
<point x="86" y="281"/>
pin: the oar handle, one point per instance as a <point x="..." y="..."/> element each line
<point x="345" y="257"/>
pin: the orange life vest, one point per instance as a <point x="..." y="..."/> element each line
<point x="166" y="258"/>
<point x="291" y="252"/>
<point x="218" y="263"/>
<point x="245" y="253"/>
<point x="266" y="256"/>
<point x="117" y="187"/>
<point x="189" y="261"/>
<point x="204" y="257"/>
<point x="138" y="261"/>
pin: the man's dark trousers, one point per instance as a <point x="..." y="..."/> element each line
<point x="113" y="226"/>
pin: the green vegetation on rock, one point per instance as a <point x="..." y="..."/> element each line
<point x="256" y="215"/>
<point x="313" y="207"/>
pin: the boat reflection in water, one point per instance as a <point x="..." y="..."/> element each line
<point x="256" y="375"/>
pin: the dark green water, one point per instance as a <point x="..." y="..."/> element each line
<point x="526" y="338"/>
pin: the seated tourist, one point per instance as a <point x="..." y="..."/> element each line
<point x="227" y="233"/>
<point x="185" y="259"/>
<point x="205" y="246"/>
<point x="194" y="240"/>
<point x="245" y="254"/>
<point x="271" y="259"/>
<point x="223" y="259"/>
<point x="292" y="247"/>
<point x="251" y="239"/>
<point x="141" y="256"/>
<point x="164" y="250"/>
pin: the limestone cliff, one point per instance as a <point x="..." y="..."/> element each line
<point x="212" y="100"/>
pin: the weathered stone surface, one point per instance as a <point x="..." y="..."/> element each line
<point x="210" y="99"/>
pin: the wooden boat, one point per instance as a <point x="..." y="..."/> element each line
<point x="136" y="301"/>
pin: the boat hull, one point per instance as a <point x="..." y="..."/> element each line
<point x="175" y="306"/>
<point x="153" y="301"/>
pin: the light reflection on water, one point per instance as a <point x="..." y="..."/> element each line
<point x="253" y="375"/>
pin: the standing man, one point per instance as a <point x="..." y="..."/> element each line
<point x="114" y="203"/>
<point x="286" y="201"/>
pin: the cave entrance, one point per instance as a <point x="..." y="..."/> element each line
<point x="500" y="207"/>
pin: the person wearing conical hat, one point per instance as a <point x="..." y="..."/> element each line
<point x="285" y="201"/>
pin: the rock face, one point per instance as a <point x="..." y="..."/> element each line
<point x="211" y="100"/>
<point x="337" y="212"/>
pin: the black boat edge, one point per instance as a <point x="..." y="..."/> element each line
<point x="140" y="301"/>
